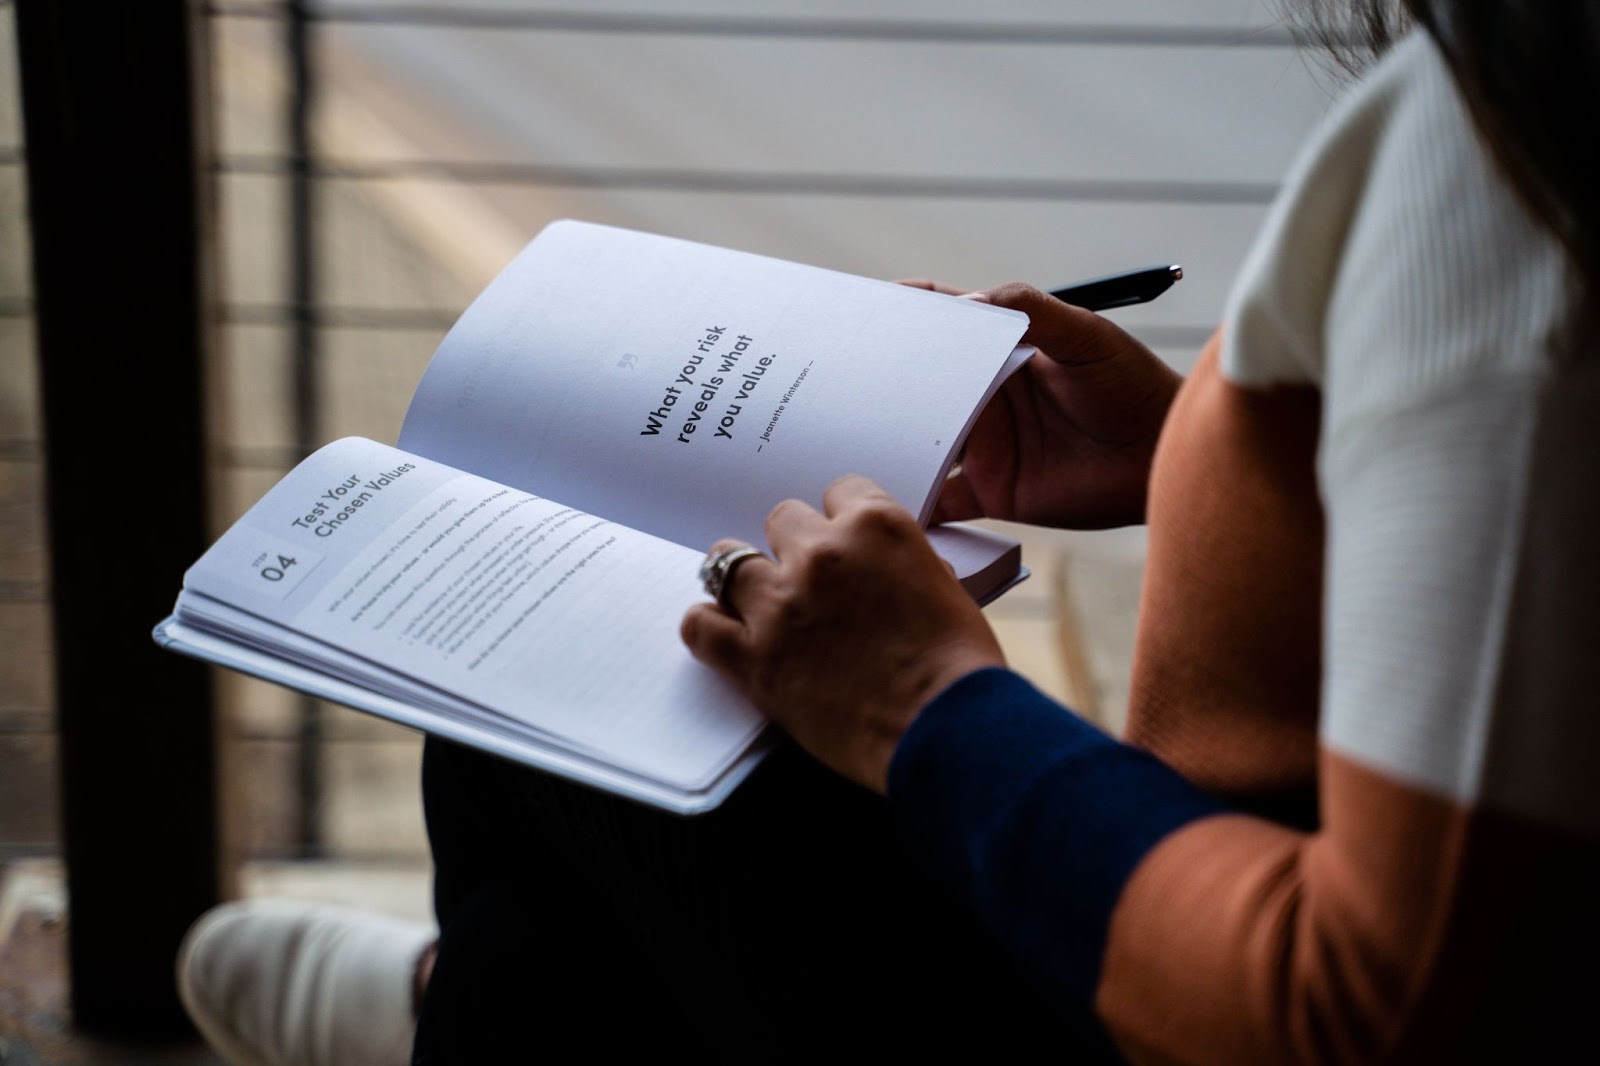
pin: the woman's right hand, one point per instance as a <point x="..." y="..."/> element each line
<point x="1069" y="438"/>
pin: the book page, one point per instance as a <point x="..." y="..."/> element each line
<point x="544" y="614"/>
<point x="685" y="390"/>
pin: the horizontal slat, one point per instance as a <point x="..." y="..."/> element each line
<point x="963" y="242"/>
<point x="918" y="111"/>
<point x="664" y="179"/>
<point x="428" y="320"/>
<point x="1164" y="14"/>
<point x="439" y="319"/>
<point x="810" y="27"/>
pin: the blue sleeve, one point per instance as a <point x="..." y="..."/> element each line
<point x="1035" y="819"/>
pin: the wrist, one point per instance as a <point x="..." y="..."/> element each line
<point x="896" y="722"/>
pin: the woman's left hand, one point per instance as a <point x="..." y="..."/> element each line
<point x="848" y="632"/>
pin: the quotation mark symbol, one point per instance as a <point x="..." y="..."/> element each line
<point x="627" y="361"/>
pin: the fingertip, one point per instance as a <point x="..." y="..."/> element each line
<point x="710" y="634"/>
<point x="932" y="286"/>
<point x="690" y="626"/>
<point x="788" y="503"/>
<point x="726" y="544"/>
<point x="849" y="489"/>
<point x="1018" y="295"/>
<point x="856" y="485"/>
<point x="786" y="515"/>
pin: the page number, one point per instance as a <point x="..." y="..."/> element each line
<point x="275" y="573"/>
<point x="269" y="565"/>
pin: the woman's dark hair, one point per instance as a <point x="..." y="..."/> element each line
<point x="1529" y="71"/>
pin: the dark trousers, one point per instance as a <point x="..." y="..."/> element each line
<point x="786" y="925"/>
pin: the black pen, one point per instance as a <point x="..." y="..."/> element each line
<point x="1120" y="290"/>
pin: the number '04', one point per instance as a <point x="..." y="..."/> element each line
<point x="275" y="573"/>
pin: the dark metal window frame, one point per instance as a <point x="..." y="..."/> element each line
<point x="118" y="181"/>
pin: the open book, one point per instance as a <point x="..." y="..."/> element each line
<point x="513" y="575"/>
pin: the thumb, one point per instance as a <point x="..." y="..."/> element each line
<point x="1063" y="333"/>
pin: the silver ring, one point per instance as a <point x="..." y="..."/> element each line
<point x="716" y="571"/>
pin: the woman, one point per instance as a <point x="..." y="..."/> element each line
<point x="1372" y="833"/>
<point x="1356" y="814"/>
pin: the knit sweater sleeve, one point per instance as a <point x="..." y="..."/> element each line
<point x="988" y="784"/>
<point x="1443" y="910"/>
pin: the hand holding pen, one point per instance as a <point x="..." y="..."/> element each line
<point x="1097" y="294"/>
<point x="1068" y="439"/>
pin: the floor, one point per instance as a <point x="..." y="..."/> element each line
<point x="35" y="1016"/>
<point x="35" y="1019"/>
